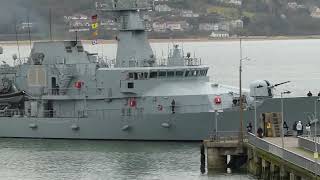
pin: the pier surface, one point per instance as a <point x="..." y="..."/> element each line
<point x="291" y="144"/>
<point x="269" y="158"/>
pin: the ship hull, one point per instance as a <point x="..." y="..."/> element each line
<point x="177" y="127"/>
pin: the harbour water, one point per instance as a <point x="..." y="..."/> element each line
<point x="32" y="159"/>
<point x="276" y="61"/>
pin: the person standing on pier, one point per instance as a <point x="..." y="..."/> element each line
<point x="249" y="128"/>
<point x="299" y="128"/>
<point x="308" y="129"/>
<point x="260" y="132"/>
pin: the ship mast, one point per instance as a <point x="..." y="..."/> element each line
<point x="133" y="49"/>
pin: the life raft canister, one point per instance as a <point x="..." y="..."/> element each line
<point x="78" y="84"/>
<point x="217" y="100"/>
<point x="132" y="102"/>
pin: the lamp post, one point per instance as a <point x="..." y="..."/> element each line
<point x="282" y="117"/>
<point x="315" y="125"/>
<point x="315" y="134"/>
<point x="240" y="94"/>
<point x="255" y="108"/>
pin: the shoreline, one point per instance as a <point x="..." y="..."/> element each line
<point x="200" y="39"/>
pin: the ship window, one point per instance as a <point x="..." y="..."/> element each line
<point x="203" y="72"/>
<point x="162" y="74"/>
<point x="68" y="49"/>
<point x="130" y="75"/>
<point x="135" y="76"/>
<point x="153" y="74"/>
<point x="80" y="48"/>
<point x="170" y="74"/>
<point x="187" y="73"/>
<point x="179" y="73"/>
<point x="198" y="73"/>
<point x="130" y="85"/>
<point x="145" y="75"/>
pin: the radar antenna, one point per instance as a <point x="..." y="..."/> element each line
<point x="133" y="46"/>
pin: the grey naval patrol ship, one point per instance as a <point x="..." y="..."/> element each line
<point x="63" y="91"/>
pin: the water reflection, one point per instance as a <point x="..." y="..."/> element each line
<point x="80" y="159"/>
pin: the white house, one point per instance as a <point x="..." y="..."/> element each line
<point x="163" y="8"/>
<point x="219" y="34"/>
<point x="174" y="26"/>
<point x="207" y="27"/>
<point x="236" y="2"/>
<point x="159" y="26"/>
<point x="315" y="13"/>
<point x="188" y="14"/>
<point x="236" y="24"/>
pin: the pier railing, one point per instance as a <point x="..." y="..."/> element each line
<point x="285" y="154"/>
<point x="308" y="143"/>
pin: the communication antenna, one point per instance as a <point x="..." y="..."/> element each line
<point x="17" y="37"/>
<point x="29" y="31"/>
<point x="50" y="24"/>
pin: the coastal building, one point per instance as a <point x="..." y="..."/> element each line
<point x="177" y="25"/>
<point x="292" y="5"/>
<point x="219" y="34"/>
<point x="295" y="6"/>
<point x="188" y="14"/>
<point x="236" y="24"/>
<point x="170" y="26"/>
<point x="76" y="17"/>
<point x="232" y="2"/>
<point x="163" y="8"/>
<point x="159" y="26"/>
<point x="222" y="26"/>
<point x="236" y="2"/>
<point x="208" y="27"/>
<point x="109" y="24"/>
<point x="315" y="13"/>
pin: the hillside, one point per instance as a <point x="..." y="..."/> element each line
<point x="174" y="18"/>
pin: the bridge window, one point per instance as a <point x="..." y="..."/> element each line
<point x="153" y="74"/>
<point x="162" y="74"/>
<point x="68" y="49"/>
<point x="179" y="73"/>
<point x="135" y="76"/>
<point x="80" y="48"/>
<point x="130" y="85"/>
<point x="145" y="75"/>
<point x="187" y="73"/>
<point x="131" y="75"/>
<point x="203" y="72"/>
<point x="170" y="74"/>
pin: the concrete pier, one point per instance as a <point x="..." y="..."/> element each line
<point x="265" y="158"/>
<point x="269" y="160"/>
<point x="217" y="152"/>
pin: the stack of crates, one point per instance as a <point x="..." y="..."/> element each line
<point x="272" y="124"/>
